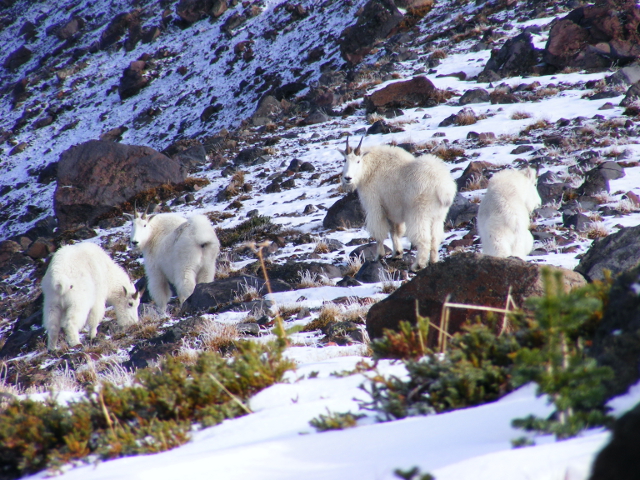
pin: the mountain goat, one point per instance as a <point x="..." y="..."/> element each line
<point x="80" y="280"/>
<point x="401" y="193"/>
<point x="503" y="217"/>
<point x="176" y="251"/>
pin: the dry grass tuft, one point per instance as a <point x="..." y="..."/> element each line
<point x="247" y="293"/>
<point x="596" y="230"/>
<point x="447" y="153"/>
<point x="354" y="264"/>
<point x="321" y="247"/>
<point x="520" y="115"/>
<point x="330" y="313"/>
<point x="310" y="280"/>
<point x="537" y="125"/>
<point x="216" y="336"/>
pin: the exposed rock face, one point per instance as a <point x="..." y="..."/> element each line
<point x="617" y="340"/>
<point x="377" y="21"/>
<point x="469" y="278"/>
<point x="345" y="213"/>
<point x="595" y="36"/>
<point x="620" y="459"/>
<point x="96" y="176"/>
<point x="118" y="27"/>
<point x="617" y="252"/>
<point x="475" y="95"/>
<point x="417" y="92"/>
<point x="475" y="172"/>
<point x="517" y="56"/>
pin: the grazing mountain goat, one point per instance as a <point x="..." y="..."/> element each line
<point x="503" y="217"/>
<point x="401" y="193"/>
<point x="80" y="280"/>
<point x="176" y="250"/>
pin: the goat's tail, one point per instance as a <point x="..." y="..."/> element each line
<point x="202" y="231"/>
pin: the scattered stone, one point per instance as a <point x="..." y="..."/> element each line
<point x="316" y="117"/>
<point x="577" y="221"/>
<point x="368" y="252"/>
<point x="371" y="272"/>
<point x="250" y="156"/>
<point x="597" y="179"/>
<point x="192" y="157"/>
<point x="348" y="281"/>
<point x="17" y="58"/>
<point x="461" y="211"/>
<point x="617" y="253"/>
<point x="522" y="149"/>
<point x="40" y="248"/>
<point x="475" y="95"/>
<point x="291" y="271"/>
<point x="517" y="56"/>
<point x="379" y="126"/>
<point x="209" y="297"/>
<point x="474" y="173"/>
<point x="132" y="80"/>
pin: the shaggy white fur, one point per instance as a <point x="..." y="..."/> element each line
<point x="176" y="251"/>
<point x="503" y="217"/>
<point x="401" y="193"/>
<point x="80" y="280"/>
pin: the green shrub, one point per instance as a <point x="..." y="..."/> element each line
<point x="559" y="365"/>
<point x="254" y="229"/>
<point x="154" y="414"/>
<point x="546" y="345"/>
<point x="335" y="421"/>
<point x="413" y="474"/>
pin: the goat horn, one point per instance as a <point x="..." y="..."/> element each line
<point x="349" y="149"/>
<point x="357" y="150"/>
<point x="146" y="210"/>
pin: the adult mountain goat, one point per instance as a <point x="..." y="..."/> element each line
<point x="401" y="193"/>
<point x="177" y="251"/>
<point x="503" y="217"/>
<point x="80" y="280"/>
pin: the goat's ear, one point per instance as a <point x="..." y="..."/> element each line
<point x="344" y="154"/>
<point x="139" y="293"/>
<point x="129" y="216"/>
<point x="125" y="290"/>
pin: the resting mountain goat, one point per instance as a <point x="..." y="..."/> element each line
<point x="401" y="193"/>
<point x="80" y="280"/>
<point x="176" y="251"/>
<point x="503" y="217"/>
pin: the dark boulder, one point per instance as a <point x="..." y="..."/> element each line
<point x="371" y="272"/>
<point x="474" y="173"/>
<point x="17" y="58"/>
<point x="475" y="95"/>
<point x="132" y="80"/>
<point x="468" y="278"/>
<point x="291" y="272"/>
<point x="617" y="253"/>
<point x="96" y="176"/>
<point x="193" y="10"/>
<point x="620" y="458"/>
<point x="617" y="339"/>
<point x="517" y="56"/>
<point x="345" y="213"/>
<point x="377" y="21"/>
<point x="461" y="211"/>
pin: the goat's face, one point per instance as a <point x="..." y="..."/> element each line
<point x="140" y="230"/>
<point x="353" y="166"/>
<point x="127" y="307"/>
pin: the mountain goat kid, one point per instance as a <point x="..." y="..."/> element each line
<point x="176" y="251"/>
<point x="80" y="280"/>
<point x="401" y="193"/>
<point x="503" y="217"/>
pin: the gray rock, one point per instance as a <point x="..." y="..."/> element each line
<point x="625" y="76"/>
<point x="371" y="272"/>
<point x="462" y="210"/>
<point x="617" y="253"/>
<point x="345" y="213"/>
<point x="368" y="252"/>
<point x="475" y="95"/>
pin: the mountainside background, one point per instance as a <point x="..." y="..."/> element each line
<point x="237" y="110"/>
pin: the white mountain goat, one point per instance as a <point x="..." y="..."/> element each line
<point x="80" y="280"/>
<point x="401" y="193"/>
<point x="177" y="251"/>
<point x="503" y="217"/>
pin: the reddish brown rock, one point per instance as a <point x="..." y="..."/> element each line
<point x="474" y="173"/>
<point x="40" y="248"/>
<point x="417" y="92"/>
<point x="517" y="56"/>
<point x="595" y="36"/>
<point x="70" y="28"/>
<point x="193" y="10"/>
<point x="96" y="176"/>
<point x="468" y="278"/>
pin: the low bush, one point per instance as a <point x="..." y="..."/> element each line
<point x="335" y="421"/>
<point x="156" y="413"/>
